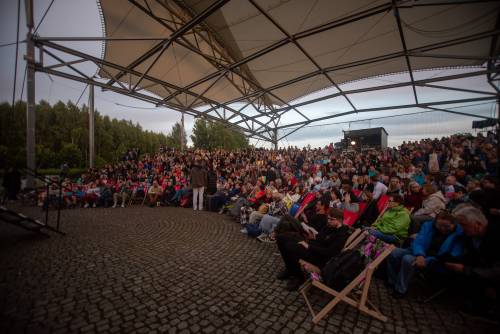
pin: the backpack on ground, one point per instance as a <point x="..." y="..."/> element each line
<point x="342" y="269"/>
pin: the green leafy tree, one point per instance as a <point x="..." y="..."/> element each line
<point x="174" y="137"/>
<point x="62" y="136"/>
<point x="212" y="135"/>
<point x="45" y="156"/>
<point x="70" y="154"/>
<point x="200" y="136"/>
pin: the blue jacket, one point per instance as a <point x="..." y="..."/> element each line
<point x="420" y="179"/>
<point x="452" y="246"/>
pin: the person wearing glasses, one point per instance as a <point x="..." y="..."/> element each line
<point x="316" y="249"/>
<point x="439" y="241"/>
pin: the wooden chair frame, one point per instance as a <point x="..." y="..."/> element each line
<point x="352" y="240"/>
<point x="133" y="197"/>
<point x="355" y="234"/>
<point x="364" y="279"/>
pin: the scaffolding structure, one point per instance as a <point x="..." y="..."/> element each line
<point x="221" y="65"/>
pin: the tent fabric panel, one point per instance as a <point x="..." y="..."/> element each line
<point x="222" y="89"/>
<point x="297" y="15"/>
<point x="305" y="87"/>
<point x="240" y="30"/>
<point x="370" y="37"/>
<point x="433" y="24"/>
<point x="280" y="65"/>
<point x="370" y="70"/>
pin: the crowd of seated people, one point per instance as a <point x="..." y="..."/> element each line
<point x="436" y="200"/>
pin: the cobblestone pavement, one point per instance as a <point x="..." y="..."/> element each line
<point x="147" y="270"/>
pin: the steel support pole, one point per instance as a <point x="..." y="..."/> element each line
<point x="498" y="137"/>
<point x="275" y="138"/>
<point x="46" y="201"/>
<point x="182" y="132"/>
<point x="91" y="127"/>
<point x="30" y="85"/>
<point x="59" y="202"/>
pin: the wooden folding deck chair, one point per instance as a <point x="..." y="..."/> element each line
<point x="382" y="203"/>
<point x="356" y="233"/>
<point x="363" y="280"/>
<point x="351" y="217"/>
<point x="138" y="199"/>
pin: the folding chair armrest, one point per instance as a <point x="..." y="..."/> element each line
<point x="355" y="233"/>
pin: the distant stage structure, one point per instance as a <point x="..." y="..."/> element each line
<point x="366" y="138"/>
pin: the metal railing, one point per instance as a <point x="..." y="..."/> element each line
<point x="47" y="183"/>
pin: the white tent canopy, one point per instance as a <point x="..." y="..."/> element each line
<point x="245" y="62"/>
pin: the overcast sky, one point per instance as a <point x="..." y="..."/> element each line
<point x="81" y="18"/>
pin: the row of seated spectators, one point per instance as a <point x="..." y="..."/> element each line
<point x="442" y="215"/>
<point x="437" y="200"/>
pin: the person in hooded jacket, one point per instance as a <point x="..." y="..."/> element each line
<point x="433" y="203"/>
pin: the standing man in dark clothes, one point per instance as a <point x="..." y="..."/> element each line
<point x="327" y="243"/>
<point x="12" y="183"/>
<point x="479" y="270"/>
<point x="212" y="181"/>
<point x="198" y="183"/>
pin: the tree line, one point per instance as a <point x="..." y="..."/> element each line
<point x="62" y="136"/>
<point x="213" y="135"/>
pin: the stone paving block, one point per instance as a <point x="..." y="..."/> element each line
<point x="172" y="270"/>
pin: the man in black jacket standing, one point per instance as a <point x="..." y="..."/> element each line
<point x="198" y="183"/>
<point x="326" y="244"/>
